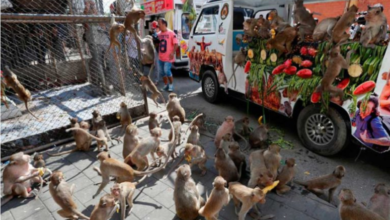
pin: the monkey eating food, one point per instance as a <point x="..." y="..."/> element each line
<point x="305" y="19"/>
<point x="260" y="175"/>
<point x="376" y="27"/>
<point x="338" y="33"/>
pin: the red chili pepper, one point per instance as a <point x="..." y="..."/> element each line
<point x="311" y="51"/>
<point x="303" y="51"/>
<point x="279" y="69"/>
<point x="306" y="63"/>
<point x="304" y="73"/>
<point x="290" y="70"/>
<point x="364" y="88"/>
<point x="247" y="66"/>
<point x="287" y="63"/>
<point x="343" y="84"/>
<point x="315" y="97"/>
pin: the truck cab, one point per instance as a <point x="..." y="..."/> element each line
<point x="325" y="124"/>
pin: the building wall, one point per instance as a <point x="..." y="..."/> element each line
<point x="336" y="8"/>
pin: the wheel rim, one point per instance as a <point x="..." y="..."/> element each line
<point x="209" y="87"/>
<point x="320" y="129"/>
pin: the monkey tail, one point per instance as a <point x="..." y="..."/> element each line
<point x="192" y="122"/>
<point x="140" y="180"/>
<point x="81" y="215"/>
<point x="246" y="142"/>
<point x="300" y="183"/>
<point x="6" y="199"/>
<point x="62" y="153"/>
<point x="85" y="132"/>
<point x="240" y="170"/>
<point x="25" y="103"/>
<point x="234" y="72"/>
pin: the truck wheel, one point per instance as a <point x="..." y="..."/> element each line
<point x="324" y="134"/>
<point x="210" y="86"/>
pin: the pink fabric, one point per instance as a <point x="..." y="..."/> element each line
<point x="166" y="45"/>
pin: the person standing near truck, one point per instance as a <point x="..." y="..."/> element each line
<point x="167" y="47"/>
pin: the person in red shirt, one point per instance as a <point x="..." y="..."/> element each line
<point x="166" y="51"/>
<point x="203" y="45"/>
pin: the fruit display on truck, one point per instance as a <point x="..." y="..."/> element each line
<point x="335" y="84"/>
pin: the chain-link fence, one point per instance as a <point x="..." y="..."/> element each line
<point x="58" y="50"/>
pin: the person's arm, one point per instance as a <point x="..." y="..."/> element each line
<point x="207" y="44"/>
<point x="380" y="135"/>
<point x="384" y="98"/>
<point x="175" y="43"/>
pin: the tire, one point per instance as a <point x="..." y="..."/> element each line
<point x="210" y="87"/>
<point x="326" y="142"/>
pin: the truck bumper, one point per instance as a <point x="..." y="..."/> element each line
<point x="180" y="65"/>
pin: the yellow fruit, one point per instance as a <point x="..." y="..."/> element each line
<point x="250" y="53"/>
<point x="297" y="59"/>
<point x="274" y="57"/>
<point x="263" y="54"/>
<point x="355" y="70"/>
<point x="269" y="188"/>
<point x="188" y="158"/>
<point x="260" y="120"/>
<point x="41" y="171"/>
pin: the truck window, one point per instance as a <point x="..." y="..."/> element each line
<point x="263" y="13"/>
<point x="207" y="23"/>
<point x="185" y="25"/>
<point x="240" y="14"/>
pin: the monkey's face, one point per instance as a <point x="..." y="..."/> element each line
<point x="346" y="195"/>
<point x="188" y="149"/>
<point x="115" y="191"/>
<point x="290" y="162"/>
<point x="73" y="120"/>
<point x="176" y="118"/>
<point x="229" y="119"/>
<point x="141" y="14"/>
<point x="381" y="189"/>
<point x="299" y="2"/>
<point x="38" y="157"/>
<point x="339" y="172"/>
<point x="107" y="201"/>
<point x="194" y="128"/>
<point x="353" y="8"/>
<point x="172" y="96"/>
<point x="152" y="115"/>
<point x="274" y="148"/>
<point x="247" y="24"/>
<point x="266" y="178"/>
<point x="234" y="146"/>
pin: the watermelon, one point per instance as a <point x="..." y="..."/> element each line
<point x="306" y="63"/>
<point x="315" y="97"/>
<point x="303" y="51"/>
<point x="287" y="63"/>
<point x="290" y="70"/>
<point x="304" y="73"/>
<point x="279" y="69"/>
<point x="247" y="66"/>
<point x="364" y="88"/>
<point x="343" y="84"/>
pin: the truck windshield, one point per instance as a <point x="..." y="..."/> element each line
<point x="207" y="22"/>
<point x="185" y="25"/>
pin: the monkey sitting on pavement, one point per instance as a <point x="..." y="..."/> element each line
<point x="380" y="201"/>
<point x="272" y="159"/>
<point x="193" y="138"/>
<point x="124" y="116"/>
<point x="238" y="157"/>
<point x="177" y="125"/>
<point x="285" y="176"/>
<point x="219" y="197"/>
<point x="226" y="167"/>
<point x="105" y="209"/>
<point x="154" y="121"/>
<point x="174" y="108"/>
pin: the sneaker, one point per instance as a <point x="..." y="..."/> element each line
<point x="170" y="89"/>
<point x="165" y="87"/>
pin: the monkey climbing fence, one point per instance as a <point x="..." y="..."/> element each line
<point x="62" y="60"/>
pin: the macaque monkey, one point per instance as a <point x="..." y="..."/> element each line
<point x="145" y="147"/>
<point x="305" y="19"/>
<point x="174" y="108"/>
<point x="130" y="141"/>
<point x="177" y="125"/>
<point x="338" y="33"/>
<point x="260" y="175"/>
<point x="285" y="176"/>
<point x="228" y="126"/>
<point x="115" y="168"/>
<point x="38" y="161"/>
<point x="124" y="192"/>
<point x="199" y="121"/>
<point x="330" y="181"/>
<point x="148" y="85"/>
<point x="239" y="60"/>
<point x="349" y="209"/>
<point x="376" y="27"/>
<point x="11" y="81"/>
<point x="193" y="138"/>
<point x="380" y="201"/>
<point x="226" y="167"/>
<point x="258" y="137"/>
<point x="105" y="209"/>
<point x="168" y="149"/>
<point x="101" y="139"/>
<point x="219" y="197"/>
<point x="247" y="196"/>
<point x="18" y="177"/>
<point x="324" y="29"/>
<point x="245" y="131"/>
<point x="249" y="27"/>
<point x="148" y="52"/>
<point x="226" y="140"/>
<point x="132" y="19"/>
<point x="62" y="193"/>
<point x="277" y="22"/>
<point x="237" y="156"/>
<point x="186" y="195"/>
<point x="124" y="116"/>
<point x="115" y="29"/>
<point x="336" y="64"/>
<point x="272" y="159"/>
<point x="154" y="122"/>
<point x="98" y="123"/>
<point x="283" y="40"/>
<point x="197" y="156"/>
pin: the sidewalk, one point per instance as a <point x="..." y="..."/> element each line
<point x="154" y="196"/>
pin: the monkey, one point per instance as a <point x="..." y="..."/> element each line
<point x="226" y="140"/>
<point x="226" y="167"/>
<point x="38" y="161"/>
<point x="277" y="22"/>
<point x="324" y="29"/>
<point x="305" y="19"/>
<point x="219" y="197"/>
<point x="101" y="139"/>
<point x="148" y="52"/>
<point x="193" y="138"/>
<point x="336" y="64"/>
<point x="196" y="155"/>
<point x="98" y="123"/>
<point x="105" y="209"/>
<point x="148" y="85"/>
<point x="154" y="121"/>
<point x="130" y="141"/>
<point x="11" y="81"/>
<point x="245" y="131"/>
<point x="18" y="177"/>
<point x="115" y="168"/>
<point x="186" y="195"/>
<point x="174" y="108"/>
<point x="145" y="146"/>
<point x="168" y="149"/>
<point x="132" y="18"/>
<point x="380" y="201"/>
<point x="260" y="175"/>
<point x="239" y="60"/>
<point x="3" y="96"/>
<point x="285" y="176"/>
<point x="124" y="116"/>
<point x="227" y="126"/>
<point x="237" y="156"/>
<point x="258" y="137"/>
<point x="349" y="209"/>
<point x="177" y="125"/>
<point x="338" y="33"/>
<point x="115" y="29"/>
<point x="124" y="193"/>
<point x="199" y="121"/>
<point x="249" y="27"/>
<point x="247" y="196"/>
<point x="375" y="28"/>
<point x="272" y="159"/>
<point x="283" y="40"/>
<point x="62" y="193"/>
<point x="330" y="181"/>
